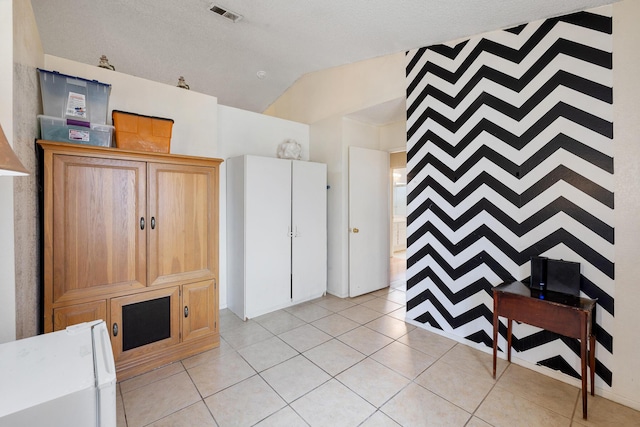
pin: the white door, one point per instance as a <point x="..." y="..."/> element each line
<point x="369" y="239"/>
<point x="267" y="235"/>
<point x="309" y="230"/>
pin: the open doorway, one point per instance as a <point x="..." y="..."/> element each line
<point x="398" y="260"/>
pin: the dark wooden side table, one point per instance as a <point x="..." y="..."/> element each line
<point x="563" y="314"/>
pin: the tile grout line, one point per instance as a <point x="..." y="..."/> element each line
<point x="332" y="377"/>
<point x="473" y="414"/>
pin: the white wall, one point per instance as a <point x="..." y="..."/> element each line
<point x="330" y="141"/>
<point x="7" y="259"/>
<point x="27" y="56"/>
<point x="626" y="129"/>
<point x="342" y="90"/>
<point x="358" y="134"/>
<point x="327" y="148"/>
<point x="195" y="115"/>
<point x="393" y="136"/>
<point x="243" y="132"/>
<point x="19" y="49"/>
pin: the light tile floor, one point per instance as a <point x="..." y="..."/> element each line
<point x="350" y="362"/>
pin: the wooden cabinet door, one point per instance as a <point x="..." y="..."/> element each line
<point x="183" y="223"/>
<point x="199" y="308"/>
<point x="79" y="313"/>
<point x="145" y="322"/>
<point x="96" y="243"/>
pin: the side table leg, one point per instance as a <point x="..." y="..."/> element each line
<point x="583" y="363"/>
<point x="592" y="361"/>
<point x="495" y="334"/>
<point x="509" y="329"/>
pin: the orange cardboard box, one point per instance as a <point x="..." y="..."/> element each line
<point x="142" y="133"/>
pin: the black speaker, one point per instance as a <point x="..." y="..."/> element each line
<point x="538" y="273"/>
<point x="563" y="276"/>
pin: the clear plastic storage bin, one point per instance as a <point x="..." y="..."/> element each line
<point x="56" y="129"/>
<point x="74" y="98"/>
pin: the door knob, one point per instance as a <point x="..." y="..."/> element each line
<point x="355" y="230"/>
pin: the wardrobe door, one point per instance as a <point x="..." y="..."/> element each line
<point x="144" y="322"/>
<point x="199" y="309"/>
<point x="309" y="223"/>
<point x="79" y="313"/>
<point x="267" y="235"/>
<point x="94" y="243"/>
<point x="181" y="223"/>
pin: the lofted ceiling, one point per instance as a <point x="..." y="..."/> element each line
<point x="161" y="40"/>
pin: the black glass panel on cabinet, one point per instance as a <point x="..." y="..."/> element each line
<point x="146" y="322"/>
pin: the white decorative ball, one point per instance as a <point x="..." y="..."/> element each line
<point x="290" y="149"/>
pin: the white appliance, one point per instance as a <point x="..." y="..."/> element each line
<point x="64" y="378"/>
<point x="276" y="233"/>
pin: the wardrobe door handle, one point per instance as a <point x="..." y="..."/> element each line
<point x="186" y="311"/>
<point x="142" y="223"/>
<point x="153" y="222"/>
<point x="115" y="329"/>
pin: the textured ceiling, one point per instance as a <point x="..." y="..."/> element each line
<point x="163" y="39"/>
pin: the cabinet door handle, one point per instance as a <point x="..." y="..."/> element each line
<point x="153" y="222"/>
<point x="186" y="311"/>
<point x="115" y="329"/>
<point x="142" y="223"/>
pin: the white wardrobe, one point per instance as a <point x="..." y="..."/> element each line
<point x="276" y="233"/>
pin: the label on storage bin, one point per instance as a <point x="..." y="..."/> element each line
<point x="78" y="135"/>
<point x="76" y="105"/>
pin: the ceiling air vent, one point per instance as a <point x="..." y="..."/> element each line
<point x="225" y="13"/>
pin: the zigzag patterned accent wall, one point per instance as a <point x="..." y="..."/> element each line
<point x="510" y="155"/>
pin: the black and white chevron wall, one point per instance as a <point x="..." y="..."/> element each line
<point x="510" y="155"/>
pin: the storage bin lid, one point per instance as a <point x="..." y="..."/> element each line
<point x="57" y="121"/>
<point x="56" y="73"/>
<point x="139" y="115"/>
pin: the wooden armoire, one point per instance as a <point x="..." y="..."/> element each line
<point x="132" y="238"/>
